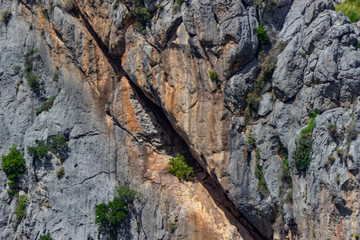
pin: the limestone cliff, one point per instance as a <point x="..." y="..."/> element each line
<point x="137" y="82"/>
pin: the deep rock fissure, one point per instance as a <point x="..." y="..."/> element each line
<point x="236" y="218"/>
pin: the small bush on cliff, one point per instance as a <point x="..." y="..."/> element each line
<point x="60" y="172"/>
<point x="5" y="16"/>
<point x="262" y="34"/>
<point x="40" y="150"/>
<point x="261" y="186"/>
<point x="178" y="5"/>
<point x="13" y="165"/>
<point x="46" y="237"/>
<point x="351" y="8"/>
<point x="180" y="168"/>
<point x="143" y="18"/>
<point x="57" y="145"/>
<point x="46" y="106"/>
<point x="20" y="210"/>
<point x="109" y="216"/>
<point x="31" y="76"/>
<point x="302" y="152"/>
<point x="213" y="75"/>
<point x="254" y="96"/>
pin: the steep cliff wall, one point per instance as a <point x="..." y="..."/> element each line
<point x="133" y="88"/>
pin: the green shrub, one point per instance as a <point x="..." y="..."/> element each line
<point x="13" y="165"/>
<point x="180" y="168"/>
<point x="110" y="216"/>
<point x="60" y="172"/>
<point x="340" y="152"/>
<point x="213" y="75"/>
<point x="178" y="5"/>
<point x="302" y="152"/>
<point x="32" y="78"/>
<point x="356" y="236"/>
<point x="337" y="179"/>
<point x="143" y="18"/>
<point x="262" y="35"/>
<point x="251" y="141"/>
<point x="46" y="106"/>
<point x="5" y="16"/>
<point x="20" y="210"/>
<point x="172" y="226"/>
<point x="351" y="133"/>
<point x="46" y="237"/>
<point x="17" y="69"/>
<point x="39" y="151"/>
<point x="309" y="128"/>
<point x="57" y="143"/>
<point x="331" y="158"/>
<point x="351" y="8"/>
<point x="261" y="186"/>
<point x="253" y="97"/>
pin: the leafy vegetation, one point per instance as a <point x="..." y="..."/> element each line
<point x="46" y="237"/>
<point x="302" y="152"/>
<point x="39" y="151"/>
<point x="262" y="35"/>
<point x="110" y="216"/>
<point x="351" y="8"/>
<point x="178" y="5"/>
<point x="261" y="186"/>
<point x="5" y="16"/>
<point x="57" y="145"/>
<point x="143" y="18"/>
<point x="180" y="168"/>
<point x="60" y="172"/>
<point x="20" y="210"/>
<point x="351" y="133"/>
<point x="253" y="98"/>
<point x="356" y="236"/>
<point x="340" y="152"/>
<point x="286" y="187"/>
<point x="46" y="106"/>
<point x="17" y="69"/>
<point x="251" y="141"/>
<point x="213" y="75"/>
<point x="32" y="77"/>
<point x="172" y="226"/>
<point x="13" y="165"/>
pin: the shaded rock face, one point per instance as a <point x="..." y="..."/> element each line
<point x="129" y="100"/>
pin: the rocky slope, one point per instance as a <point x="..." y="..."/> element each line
<point x="132" y="90"/>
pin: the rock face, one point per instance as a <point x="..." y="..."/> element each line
<point x="132" y="94"/>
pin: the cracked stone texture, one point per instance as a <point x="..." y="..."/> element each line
<point x="117" y="134"/>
